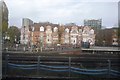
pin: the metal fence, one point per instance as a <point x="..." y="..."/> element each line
<point x="39" y="65"/>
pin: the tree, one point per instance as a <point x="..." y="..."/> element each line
<point x="60" y="33"/>
<point x="14" y="33"/>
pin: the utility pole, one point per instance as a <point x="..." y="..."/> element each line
<point x="69" y="66"/>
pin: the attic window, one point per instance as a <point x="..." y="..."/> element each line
<point x="41" y="28"/>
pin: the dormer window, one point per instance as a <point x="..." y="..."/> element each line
<point x="67" y="30"/>
<point x="55" y="29"/>
<point x="41" y="28"/>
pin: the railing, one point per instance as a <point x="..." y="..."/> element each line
<point x="100" y="51"/>
<point x="62" y="68"/>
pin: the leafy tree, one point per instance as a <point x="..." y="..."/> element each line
<point x="14" y="33"/>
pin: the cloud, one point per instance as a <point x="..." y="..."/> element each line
<point x="99" y="0"/>
<point x="62" y="11"/>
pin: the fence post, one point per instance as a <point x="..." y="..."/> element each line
<point x="38" y="65"/>
<point x="69" y="66"/>
<point x="109" y="68"/>
<point x="93" y="52"/>
<point x="6" y="64"/>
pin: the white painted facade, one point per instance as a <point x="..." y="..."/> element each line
<point x="55" y="35"/>
<point x="67" y="36"/>
<point x="74" y="35"/>
<point x="88" y="35"/>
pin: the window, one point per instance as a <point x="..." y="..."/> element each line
<point x="74" y="41"/>
<point x="41" y="28"/>
<point x="55" y="29"/>
<point x="67" y="30"/>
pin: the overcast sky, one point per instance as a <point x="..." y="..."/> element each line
<point x="63" y="11"/>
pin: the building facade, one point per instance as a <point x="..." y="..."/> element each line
<point x="96" y="24"/>
<point x="74" y="35"/>
<point x="55" y="35"/>
<point x="119" y="23"/>
<point x="25" y="30"/>
<point x="115" y="37"/>
<point x="4" y="17"/>
<point x="52" y="35"/>
<point x="49" y="38"/>
<point x="67" y="35"/>
<point x="108" y="37"/>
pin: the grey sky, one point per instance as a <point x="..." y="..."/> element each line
<point x="63" y="11"/>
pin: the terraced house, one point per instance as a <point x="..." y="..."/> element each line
<point x="49" y="35"/>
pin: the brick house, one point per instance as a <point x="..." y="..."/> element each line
<point x="47" y="35"/>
